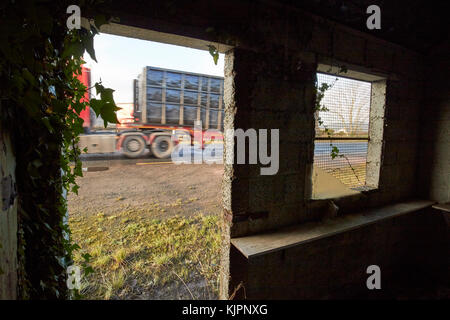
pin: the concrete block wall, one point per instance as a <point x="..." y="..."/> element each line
<point x="268" y="98"/>
<point x="270" y="79"/>
<point x="435" y="134"/>
<point x="335" y="267"/>
<point x="269" y="83"/>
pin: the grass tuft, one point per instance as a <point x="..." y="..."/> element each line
<point x="136" y="256"/>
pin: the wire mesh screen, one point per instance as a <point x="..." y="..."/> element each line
<point x="342" y="129"/>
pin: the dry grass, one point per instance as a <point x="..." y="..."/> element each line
<point x="137" y="257"/>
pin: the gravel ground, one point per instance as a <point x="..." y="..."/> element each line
<point x="184" y="189"/>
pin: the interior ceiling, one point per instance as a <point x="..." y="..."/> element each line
<point x="416" y="24"/>
<point x="419" y="25"/>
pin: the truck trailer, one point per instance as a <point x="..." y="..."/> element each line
<point x="166" y="105"/>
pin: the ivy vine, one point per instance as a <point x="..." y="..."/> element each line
<point x="41" y="100"/>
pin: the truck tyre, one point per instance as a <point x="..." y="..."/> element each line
<point x="133" y="146"/>
<point x="162" y="147"/>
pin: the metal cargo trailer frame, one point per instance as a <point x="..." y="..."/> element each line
<point x="163" y="95"/>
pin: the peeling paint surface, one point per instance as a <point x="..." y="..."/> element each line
<point x="8" y="220"/>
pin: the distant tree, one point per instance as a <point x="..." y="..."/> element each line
<point x="347" y="105"/>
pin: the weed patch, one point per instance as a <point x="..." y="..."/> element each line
<point x="138" y="257"/>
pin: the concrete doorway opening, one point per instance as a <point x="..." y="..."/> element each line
<point x="151" y="229"/>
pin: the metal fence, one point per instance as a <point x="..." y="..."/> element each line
<point x="342" y="129"/>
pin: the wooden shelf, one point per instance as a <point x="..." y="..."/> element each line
<point x="260" y="244"/>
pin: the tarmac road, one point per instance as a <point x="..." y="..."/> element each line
<point x="354" y="151"/>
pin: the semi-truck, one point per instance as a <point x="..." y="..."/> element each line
<point x="166" y="105"/>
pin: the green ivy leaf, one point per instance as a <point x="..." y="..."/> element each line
<point x="214" y="53"/>
<point x="88" y="42"/>
<point x="29" y="77"/>
<point x="47" y="124"/>
<point x="88" y="270"/>
<point x="18" y="82"/>
<point x="75" y="189"/>
<point x="334" y="152"/>
<point x="86" y="257"/>
<point x="96" y="105"/>
<point x="107" y="95"/>
<point x="108" y="114"/>
<point x="74" y="49"/>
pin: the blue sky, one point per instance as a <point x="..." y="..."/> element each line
<point x="121" y="59"/>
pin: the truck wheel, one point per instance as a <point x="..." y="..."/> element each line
<point x="162" y="147"/>
<point x="133" y="146"/>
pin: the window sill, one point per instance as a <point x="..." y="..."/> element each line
<point x="443" y="207"/>
<point x="257" y="245"/>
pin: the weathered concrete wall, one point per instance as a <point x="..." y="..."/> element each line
<point x="276" y="90"/>
<point x="265" y="97"/>
<point x="274" y="69"/>
<point x="335" y="267"/>
<point x="269" y="83"/>
<point x="435" y="138"/>
<point x="8" y="220"/>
